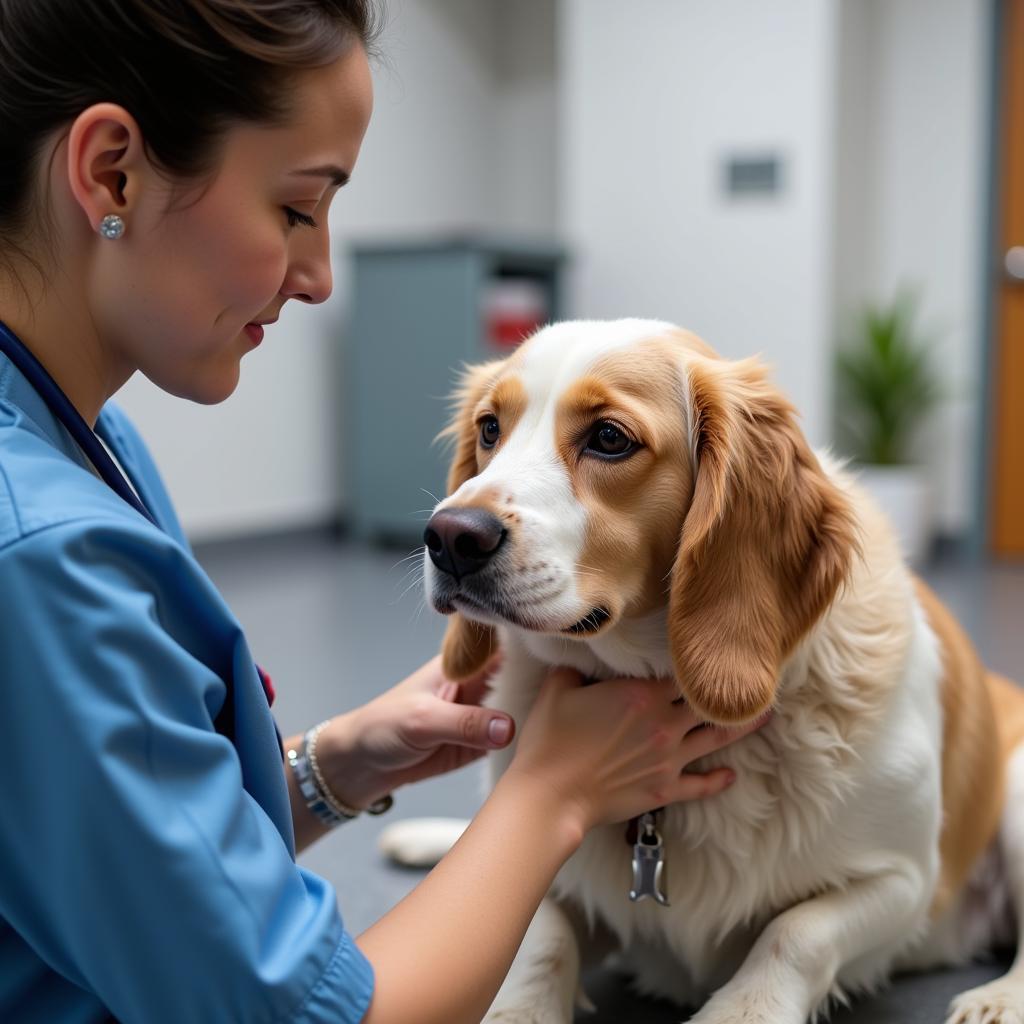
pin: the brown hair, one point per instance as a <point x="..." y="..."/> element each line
<point x="184" y="69"/>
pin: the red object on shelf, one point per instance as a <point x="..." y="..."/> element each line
<point x="513" y="308"/>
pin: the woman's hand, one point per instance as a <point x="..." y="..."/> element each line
<point x="585" y="755"/>
<point x="616" y="749"/>
<point x="424" y="726"/>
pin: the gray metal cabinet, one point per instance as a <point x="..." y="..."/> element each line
<point x="416" y="320"/>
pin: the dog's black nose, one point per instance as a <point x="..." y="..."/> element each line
<point x="462" y="540"/>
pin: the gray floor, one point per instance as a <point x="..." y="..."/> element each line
<point x="334" y="623"/>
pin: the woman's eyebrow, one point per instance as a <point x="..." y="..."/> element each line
<point x="337" y="175"/>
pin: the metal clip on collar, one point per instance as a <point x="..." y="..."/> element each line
<point x="648" y="863"/>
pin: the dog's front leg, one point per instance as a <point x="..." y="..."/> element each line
<point x="541" y="984"/>
<point x="797" y="959"/>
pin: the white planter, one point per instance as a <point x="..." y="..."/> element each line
<point x="905" y="496"/>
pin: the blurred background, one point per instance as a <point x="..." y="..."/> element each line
<point x="836" y="185"/>
<point x="759" y="173"/>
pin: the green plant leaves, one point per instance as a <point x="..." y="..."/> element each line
<point x="886" y="383"/>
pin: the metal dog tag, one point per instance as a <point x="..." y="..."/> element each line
<point x="647" y="863"/>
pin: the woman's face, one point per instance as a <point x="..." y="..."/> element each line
<point x="208" y="269"/>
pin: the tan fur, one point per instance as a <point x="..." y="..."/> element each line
<point x="1008" y="704"/>
<point x="763" y="547"/>
<point x="473" y="384"/>
<point x="766" y="543"/>
<point x="467" y="645"/>
<point x="506" y="400"/>
<point x="634" y="507"/>
<point x="750" y="542"/>
<point x="865" y="640"/>
<point x="983" y="722"/>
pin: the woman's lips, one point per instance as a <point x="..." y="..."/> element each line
<point x="255" y="333"/>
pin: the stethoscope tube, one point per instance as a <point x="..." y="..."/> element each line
<point x="60" y="405"/>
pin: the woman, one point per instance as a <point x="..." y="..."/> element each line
<point x="166" y="169"/>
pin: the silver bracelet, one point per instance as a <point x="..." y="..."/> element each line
<point x="299" y="763"/>
<point x="340" y="811"/>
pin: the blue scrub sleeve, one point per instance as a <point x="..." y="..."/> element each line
<point x="131" y="859"/>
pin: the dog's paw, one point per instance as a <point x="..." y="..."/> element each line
<point x="999" y="1002"/>
<point x="420" y="842"/>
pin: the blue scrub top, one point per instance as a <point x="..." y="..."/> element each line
<point x="147" y="866"/>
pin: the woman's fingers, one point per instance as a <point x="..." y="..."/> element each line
<point x="699" y="742"/>
<point x="684" y="716"/>
<point x="692" y="786"/>
<point x="438" y="722"/>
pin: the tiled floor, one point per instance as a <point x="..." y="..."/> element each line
<point x="335" y="623"/>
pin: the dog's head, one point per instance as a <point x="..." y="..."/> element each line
<point x="605" y="470"/>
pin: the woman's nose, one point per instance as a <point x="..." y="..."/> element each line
<point x="309" y="277"/>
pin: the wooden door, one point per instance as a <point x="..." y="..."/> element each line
<point x="1006" y="528"/>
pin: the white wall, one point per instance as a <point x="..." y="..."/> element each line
<point x="856" y="99"/>
<point x="655" y="95"/>
<point x="461" y="139"/>
<point x="879" y="110"/>
<point x="527" y="144"/>
<point x="925" y="138"/>
<point x="608" y="126"/>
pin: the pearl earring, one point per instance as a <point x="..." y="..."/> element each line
<point x="112" y="227"/>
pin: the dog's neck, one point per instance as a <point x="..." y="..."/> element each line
<point x="636" y="648"/>
<point x="633" y="647"/>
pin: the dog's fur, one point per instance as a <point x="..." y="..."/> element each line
<point x="876" y="822"/>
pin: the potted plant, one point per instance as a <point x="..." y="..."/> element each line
<point x="886" y="388"/>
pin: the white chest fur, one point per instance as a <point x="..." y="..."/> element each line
<point x="835" y="784"/>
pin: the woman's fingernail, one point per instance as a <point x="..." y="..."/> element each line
<point x="499" y="730"/>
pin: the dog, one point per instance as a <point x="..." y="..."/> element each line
<point x="624" y="501"/>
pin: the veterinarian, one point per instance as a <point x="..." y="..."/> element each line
<point x="166" y="170"/>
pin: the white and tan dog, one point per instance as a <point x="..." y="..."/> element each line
<point x="625" y="502"/>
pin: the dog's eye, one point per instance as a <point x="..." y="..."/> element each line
<point x="490" y="431"/>
<point x="608" y="439"/>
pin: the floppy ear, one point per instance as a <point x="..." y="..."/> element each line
<point x="467" y="645"/>
<point x="766" y="543"/>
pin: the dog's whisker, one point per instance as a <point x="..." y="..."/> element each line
<point x="414" y="560"/>
<point x="413" y="571"/>
<point x="417" y="612"/>
<point x="411" y="578"/>
<point x="418" y="553"/>
<point x="417" y="582"/>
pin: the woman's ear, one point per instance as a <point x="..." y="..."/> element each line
<point x="467" y="645"/>
<point x="105" y="161"/>
<point x="766" y="543"/>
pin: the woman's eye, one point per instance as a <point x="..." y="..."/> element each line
<point x="608" y="439"/>
<point x="295" y="218"/>
<point x="489" y="431"/>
